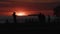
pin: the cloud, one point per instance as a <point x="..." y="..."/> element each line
<point x="39" y="1"/>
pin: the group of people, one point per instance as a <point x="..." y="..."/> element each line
<point x="40" y="16"/>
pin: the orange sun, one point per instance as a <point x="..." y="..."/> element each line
<point x="21" y="14"/>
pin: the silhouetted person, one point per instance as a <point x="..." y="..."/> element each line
<point x="57" y="13"/>
<point x="40" y="18"/>
<point x="14" y="17"/>
<point x="43" y="19"/>
<point x="48" y="19"/>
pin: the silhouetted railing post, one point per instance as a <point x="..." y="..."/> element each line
<point x="6" y="21"/>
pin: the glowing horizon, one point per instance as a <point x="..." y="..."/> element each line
<point x="21" y="13"/>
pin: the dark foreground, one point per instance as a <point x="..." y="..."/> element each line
<point x="17" y="28"/>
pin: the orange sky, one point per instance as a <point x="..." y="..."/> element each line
<point x="28" y="11"/>
<point x="29" y="6"/>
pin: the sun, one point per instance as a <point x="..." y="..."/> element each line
<point x="21" y="14"/>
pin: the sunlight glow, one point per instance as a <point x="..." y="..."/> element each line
<point x="21" y="14"/>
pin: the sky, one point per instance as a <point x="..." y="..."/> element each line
<point x="29" y="6"/>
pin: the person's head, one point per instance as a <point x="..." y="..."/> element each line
<point x="13" y="12"/>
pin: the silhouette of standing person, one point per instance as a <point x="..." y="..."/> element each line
<point x="40" y="17"/>
<point x="43" y="19"/>
<point x="48" y="19"/>
<point x="57" y="13"/>
<point x="14" y="17"/>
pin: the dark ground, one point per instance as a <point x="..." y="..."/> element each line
<point x="24" y="28"/>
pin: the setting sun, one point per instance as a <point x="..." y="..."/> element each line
<point x="21" y="14"/>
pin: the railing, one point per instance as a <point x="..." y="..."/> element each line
<point x="34" y="19"/>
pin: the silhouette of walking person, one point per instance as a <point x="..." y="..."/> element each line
<point x="14" y="17"/>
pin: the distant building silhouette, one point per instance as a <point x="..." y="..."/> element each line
<point x="33" y="15"/>
<point x="14" y="17"/>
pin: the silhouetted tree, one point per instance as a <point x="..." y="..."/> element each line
<point x="14" y="17"/>
<point x="57" y="11"/>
